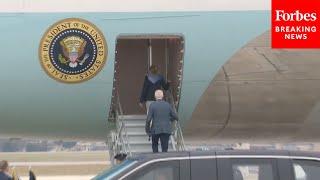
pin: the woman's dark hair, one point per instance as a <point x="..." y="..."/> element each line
<point x="153" y="69"/>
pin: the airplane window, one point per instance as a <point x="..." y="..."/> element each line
<point x="306" y="170"/>
<point x="252" y="172"/>
<point x="160" y="171"/>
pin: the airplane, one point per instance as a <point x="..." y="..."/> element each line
<point x="64" y="63"/>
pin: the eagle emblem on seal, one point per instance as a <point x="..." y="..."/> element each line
<point x="73" y="51"/>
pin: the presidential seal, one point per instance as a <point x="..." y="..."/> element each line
<point x="72" y="50"/>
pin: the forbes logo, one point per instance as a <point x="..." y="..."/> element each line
<point x="281" y="15"/>
<point x="295" y="24"/>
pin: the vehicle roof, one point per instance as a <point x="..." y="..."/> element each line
<point x="145" y="158"/>
<point x="150" y="156"/>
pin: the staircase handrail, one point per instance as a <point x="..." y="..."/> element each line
<point x="122" y="131"/>
<point x="177" y="130"/>
<point x="118" y="141"/>
<point x="111" y="142"/>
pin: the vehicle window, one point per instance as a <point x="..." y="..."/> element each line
<point x="306" y="170"/>
<point x="111" y="173"/>
<point x="204" y="169"/>
<point x="252" y="171"/>
<point x="159" y="171"/>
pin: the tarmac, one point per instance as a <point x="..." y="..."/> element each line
<point x="58" y="165"/>
<point x="86" y="177"/>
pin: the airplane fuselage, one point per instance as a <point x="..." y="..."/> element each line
<point x="33" y="104"/>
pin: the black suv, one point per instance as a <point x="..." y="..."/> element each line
<point x="224" y="165"/>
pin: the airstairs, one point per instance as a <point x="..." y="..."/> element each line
<point x="129" y="136"/>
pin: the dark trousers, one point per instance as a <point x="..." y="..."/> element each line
<point x="164" y="139"/>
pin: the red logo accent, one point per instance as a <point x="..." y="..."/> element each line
<point x="295" y="24"/>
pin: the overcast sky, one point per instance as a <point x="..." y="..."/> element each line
<point x="130" y="5"/>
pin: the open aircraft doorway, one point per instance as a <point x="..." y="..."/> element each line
<point x="134" y="55"/>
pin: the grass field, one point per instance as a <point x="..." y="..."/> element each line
<point x="58" y="163"/>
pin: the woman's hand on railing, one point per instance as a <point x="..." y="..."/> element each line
<point x="141" y="105"/>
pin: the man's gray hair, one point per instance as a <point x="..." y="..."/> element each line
<point x="158" y="94"/>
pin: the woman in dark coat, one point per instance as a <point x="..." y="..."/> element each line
<point x="152" y="82"/>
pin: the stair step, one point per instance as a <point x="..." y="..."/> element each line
<point x="137" y="134"/>
<point x="140" y="142"/>
<point x="138" y="139"/>
<point x="138" y="120"/>
<point x="135" y="129"/>
<point x="134" y="125"/>
<point x="146" y="142"/>
<point x="134" y="117"/>
<point x="146" y="148"/>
